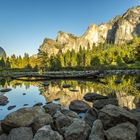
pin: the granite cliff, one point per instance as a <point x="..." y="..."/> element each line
<point x="119" y="30"/>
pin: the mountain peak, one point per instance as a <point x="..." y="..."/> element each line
<point x="119" y="30"/>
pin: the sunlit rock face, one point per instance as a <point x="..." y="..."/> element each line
<point x="2" y="53"/>
<point x="119" y="30"/>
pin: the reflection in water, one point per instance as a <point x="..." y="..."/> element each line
<point x="126" y="91"/>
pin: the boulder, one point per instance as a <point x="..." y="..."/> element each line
<point x="112" y="115"/>
<point x="5" y="90"/>
<point x="78" y="130"/>
<point x="21" y="118"/>
<point x="1" y="131"/>
<point x="52" y="108"/>
<point x="41" y="121"/>
<point x="97" y="131"/>
<point x="90" y="97"/>
<point x="3" y="137"/>
<point x="61" y="121"/>
<point x="90" y="116"/>
<point x="69" y="113"/>
<point x="123" y="131"/>
<point x="46" y="133"/>
<point x="3" y="100"/>
<point x="22" y="133"/>
<point x="79" y="106"/>
<point x="99" y="104"/>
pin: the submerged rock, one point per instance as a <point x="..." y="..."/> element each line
<point x="3" y="100"/>
<point x="124" y="131"/>
<point x="11" y="107"/>
<point x="22" y="133"/>
<point x="21" y="118"/>
<point x="5" y="90"/>
<point x="90" y="97"/>
<point x="79" y="106"/>
<point x="66" y="86"/>
<point x="78" y="130"/>
<point x="38" y="104"/>
<point x="46" y="133"/>
<point x="112" y="115"/>
<point x="97" y="131"/>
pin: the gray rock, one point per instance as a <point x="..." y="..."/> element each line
<point x="138" y="130"/>
<point x="1" y="131"/>
<point x="79" y="106"/>
<point x="97" y="131"/>
<point x="90" y="97"/>
<point x="21" y="118"/>
<point x="41" y="121"/>
<point x="22" y="133"/>
<point x="3" y="137"/>
<point x="78" y="130"/>
<point x="112" y="115"/>
<point x="69" y="113"/>
<point x="46" y="133"/>
<point x="124" y="131"/>
<point x="61" y="121"/>
<point x="3" y="100"/>
<point x="102" y="102"/>
<point x="90" y="116"/>
<point x="52" y="108"/>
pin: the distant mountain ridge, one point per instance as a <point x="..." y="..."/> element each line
<point x="119" y="30"/>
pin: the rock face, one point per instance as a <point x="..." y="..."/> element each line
<point x="120" y="30"/>
<point x="46" y="133"/>
<point x="21" y="118"/>
<point x="124" y="131"/>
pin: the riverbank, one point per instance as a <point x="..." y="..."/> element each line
<point x="67" y="74"/>
<point x="80" y="122"/>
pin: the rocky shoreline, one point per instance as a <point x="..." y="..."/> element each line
<point x="89" y="74"/>
<point x="105" y="120"/>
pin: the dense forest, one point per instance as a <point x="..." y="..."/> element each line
<point x="103" y="56"/>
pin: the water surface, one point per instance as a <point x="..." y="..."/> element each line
<point x="26" y="93"/>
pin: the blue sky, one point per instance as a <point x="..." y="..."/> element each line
<point x="25" y="23"/>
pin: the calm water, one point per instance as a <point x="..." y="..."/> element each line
<point x="30" y="93"/>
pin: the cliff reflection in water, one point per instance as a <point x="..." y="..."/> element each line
<point x="125" y="90"/>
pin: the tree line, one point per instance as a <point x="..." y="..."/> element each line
<point x="103" y="56"/>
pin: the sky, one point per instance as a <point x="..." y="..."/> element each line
<point x="25" y="23"/>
